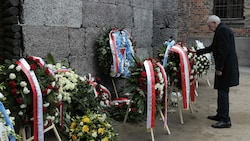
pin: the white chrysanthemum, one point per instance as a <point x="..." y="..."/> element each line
<point x="59" y="96"/>
<point x="12" y="66"/>
<point x="58" y="65"/>
<point x="81" y="123"/>
<point x="94" y="134"/>
<point x="12" y="76"/>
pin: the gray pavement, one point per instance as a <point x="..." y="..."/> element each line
<point x="196" y="126"/>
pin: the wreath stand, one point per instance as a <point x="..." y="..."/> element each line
<point x="166" y="129"/>
<point x="179" y="99"/>
<point x="22" y="132"/>
<point x="114" y="86"/>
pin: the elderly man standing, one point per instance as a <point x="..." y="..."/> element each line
<point x="226" y="68"/>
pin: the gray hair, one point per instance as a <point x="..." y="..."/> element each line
<point x="213" y="18"/>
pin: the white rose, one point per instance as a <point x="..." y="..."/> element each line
<point x="18" y="68"/>
<point x="12" y="66"/>
<point x="1" y="95"/>
<point x="26" y="90"/>
<point x="8" y="111"/>
<point x="20" y="113"/>
<point x="12" y="76"/>
<point x="22" y="106"/>
<point x="46" y="105"/>
<point x="23" y="84"/>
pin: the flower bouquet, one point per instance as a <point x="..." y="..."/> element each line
<point x="75" y="94"/>
<point x="91" y="127"/>
<point x="202" y="62"/>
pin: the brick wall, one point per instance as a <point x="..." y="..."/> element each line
<point x="192" y="17"/>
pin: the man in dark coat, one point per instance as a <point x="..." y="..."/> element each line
<point x="226" y="68"/>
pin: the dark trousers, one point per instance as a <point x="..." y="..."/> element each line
<point x="223" y="104"/>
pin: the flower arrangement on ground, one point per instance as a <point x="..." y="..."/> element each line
<point x="91" y="127"/>
<point x="75" y="94"/>
<point x="18" y="92"/>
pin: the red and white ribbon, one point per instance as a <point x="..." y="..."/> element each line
<point x="120" y="100"/>
<point x="151" y="98"/>
<point x="185" y="74"/>
<point x="114" y="52"/>
<point x="37" y="100"/>
<point x="38" y="60"/>
<point x="164" y="75"/>
<point x="92" y="82"/>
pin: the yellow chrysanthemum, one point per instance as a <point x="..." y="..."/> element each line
<point x="85" y="128"/>
<point x="105" y="139"/>
<point x="73" y="125"/>
<point x="101" y="131"/>
<point x="74" y="137"/>
<point x="86" y="120"/>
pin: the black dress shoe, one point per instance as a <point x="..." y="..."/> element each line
<point x="216" y="118"/>
<point x="222" y="124"/>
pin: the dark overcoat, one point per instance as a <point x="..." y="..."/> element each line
<point x="225" y="57"/>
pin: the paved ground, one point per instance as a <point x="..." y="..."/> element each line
<point x="196" y="126"/>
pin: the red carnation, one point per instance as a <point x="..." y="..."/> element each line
<point x="143" y="87"/>
<point x="45" y="91"/>
<point x="157" y="80"/>
<point x="44" y="109"/>
<point x="120" y="105"/>
<point x="150" y="59"/>
<point x="29" y="58"/>
<point x="14" y="91"/>
<point x="133" y="110"/>
<point x="98" y="79"/>
<point x="157" y="60"/>
<point x="143" y="74"/>
<point x="155" y="73"/>
<point x="141" y="80"/>
<point x="139" y="64"/>
<point x="19" y="101"/>
<point x="50" y="86"/>
<point x="47" y="71"/>
<point x="12" y="84"/>
<point x="32" y="66"/>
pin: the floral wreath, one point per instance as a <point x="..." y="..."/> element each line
<point x="137" y="88"/>
<point x="18" y="94"/>
<point x="104" y="54"/>
<point x="173" y="65"/>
